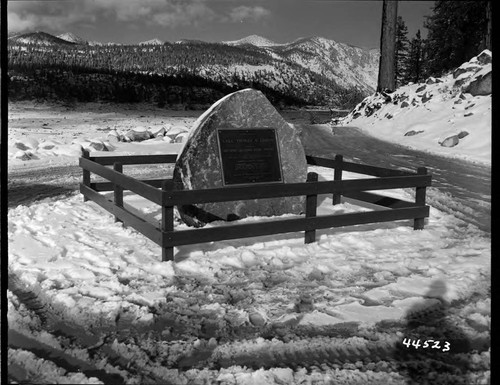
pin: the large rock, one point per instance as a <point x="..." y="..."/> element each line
<point x="481" y="85"/>
<point x="199" y="165"/>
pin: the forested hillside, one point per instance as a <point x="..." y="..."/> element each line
<point x="187" y="75"/>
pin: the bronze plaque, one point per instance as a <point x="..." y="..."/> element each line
<point x="249" y="156"/>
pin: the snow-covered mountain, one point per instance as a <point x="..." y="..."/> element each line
<point x="72" y="38"/>
<point x="255" y="40"/>
<point x="190" y="41"/>
<point x="347" y="65"/>
<point x="154" y="41"/>
<point x="38" y="38"/>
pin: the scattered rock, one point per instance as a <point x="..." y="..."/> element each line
<point x="421" y="88"/>
<point x="24" y="155"/>
<point x="181" y="138"/>
<point x="451" y="141"/>
<point x="470" y="105"/>
<point x="413" y="132"/>
<point x="256" y="319"/>
<point x="114" y="137"/>
<point x="462" y="134"/>
<point x="433" y="80"/>
<point x="97" y="145"/>
<point x="27" y="144"/>
<point x="174" y="131"/>
<point x="157" y="131"/>
<point x="426" y="97"/>
<point x="388" y="116"/>
<point x="47" y="145"/>
<point x="405" y="104"/>
<point x="137" y="134"/>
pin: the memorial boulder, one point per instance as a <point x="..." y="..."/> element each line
<point x="241" y="140"/>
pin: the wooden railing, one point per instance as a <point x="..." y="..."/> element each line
<point x="161" y="192"/>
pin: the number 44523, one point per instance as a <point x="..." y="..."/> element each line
<point x="432" y="344"/>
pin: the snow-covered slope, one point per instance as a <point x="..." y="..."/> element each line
<point x="154" y="41"/>
<point x="255" y="40"/>
<point x="38" y="38"/>
<point x="450" y="115"/>
<point x="347" y="65"/>
<point x="72" y="38"/>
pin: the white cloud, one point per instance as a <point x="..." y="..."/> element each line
<point x="63" y="14"/>
<point x="244" y="13"/>
<point x="57" y="15"/>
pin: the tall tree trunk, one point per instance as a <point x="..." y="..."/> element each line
<point x="487" y="35"/>
<point x="387" y="69"/>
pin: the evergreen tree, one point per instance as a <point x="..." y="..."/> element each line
<point x="402" y="47"/>
<point x="456" y="32"/>
<point x="414" y="61"/>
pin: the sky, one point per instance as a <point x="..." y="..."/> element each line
<point x="133" y="21"/>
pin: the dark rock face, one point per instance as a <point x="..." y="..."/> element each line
<point x="199" y="165"/>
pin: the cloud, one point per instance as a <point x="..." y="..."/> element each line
<point x="64" y="14"/>
<point x="244" y="13"/>
<point x="58" y="15"/>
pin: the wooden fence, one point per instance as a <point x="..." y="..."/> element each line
<point x="160" y="191"/>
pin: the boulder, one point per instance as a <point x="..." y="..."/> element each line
<point x="480" y="86"/>
<point x="199" y="165"/>
<point x="484" y="57"/>
<point x="451" y="141"/>
<point x="462" y="134"/>
<point x="426" y="97"/>
<point x="137" y="134"/>
<point x="181" y="138"/>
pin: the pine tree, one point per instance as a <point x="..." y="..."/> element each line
<point x="456" y="32"/>
<point x="414" y="62"/>
<point x="402" y="47"/>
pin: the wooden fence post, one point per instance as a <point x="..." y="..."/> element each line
<point x="311" y="206"/>
<point x="86" y="174"/>
<point x="167" y="222"/>
<point x="418" y="223"/>
<point x="118" y="190"/>
<point x="337" y="176"/>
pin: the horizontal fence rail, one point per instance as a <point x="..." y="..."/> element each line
<point x="161" y="192"/>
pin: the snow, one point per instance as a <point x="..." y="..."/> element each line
<point x="449" y="111"/>
<point x="93" y="271"/>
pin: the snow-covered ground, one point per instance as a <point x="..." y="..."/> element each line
<point x="94" y="299"/>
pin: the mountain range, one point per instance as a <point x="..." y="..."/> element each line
<point x="314" y="70"/>
<point x="347" y="65"/>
